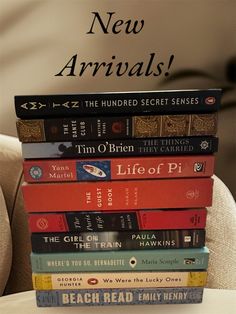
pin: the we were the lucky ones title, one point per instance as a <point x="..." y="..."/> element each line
<point x="109" y="25"/>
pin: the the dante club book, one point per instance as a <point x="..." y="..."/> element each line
<point x="117" y="195"/>
<point x="108" y="127"/>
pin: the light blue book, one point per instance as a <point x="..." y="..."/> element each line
<point x="164" y="259"/>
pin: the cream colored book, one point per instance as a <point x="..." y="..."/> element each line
<point x="46" y="281"/>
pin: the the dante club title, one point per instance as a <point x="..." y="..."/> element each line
<point x="109" y="24"/>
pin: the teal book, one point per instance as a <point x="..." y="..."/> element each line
<point x="137" y="260"/>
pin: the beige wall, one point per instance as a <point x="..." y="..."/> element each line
<point x="38" y="37"/>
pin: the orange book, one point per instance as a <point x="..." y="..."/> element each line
<point x="118" y="195"/>
<point x="129" y="168"/>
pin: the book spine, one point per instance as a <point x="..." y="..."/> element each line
<point x="158" y="102"/>
<point x="116" y="241"/>
<point x="118" y="195"/>
<point x="56" y="170"/>
<point x="103" y="297"/>
<point x="83" y="221"/>
<point x="172" y="219"/>
<point x="111" y="127"/>
<point x="135" y="260"/>
<point x="118" y="221"/>
<point x="118" y="280"/>
<point x="127" y="147"/>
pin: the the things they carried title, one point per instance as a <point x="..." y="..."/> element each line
<point x="109" y="24"/>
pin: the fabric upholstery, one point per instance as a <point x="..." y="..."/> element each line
<point x="5" y="244"/>
<point x="221" y="238"/>
<point x="10" y="169"/>
<point x="10" y="181"/>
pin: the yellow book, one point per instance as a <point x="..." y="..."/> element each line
<point x="109" y="280"/>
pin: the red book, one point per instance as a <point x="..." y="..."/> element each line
<point x="56" y="170"/>
<point x="172" y="219"/>
<point x="118" y="195"/>
<point x="118" y="221"/>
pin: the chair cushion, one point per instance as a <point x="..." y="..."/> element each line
<point x="221" y="238"/>
<point x="5" y="244"/>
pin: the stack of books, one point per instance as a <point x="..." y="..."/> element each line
<point x="116" y="187"/>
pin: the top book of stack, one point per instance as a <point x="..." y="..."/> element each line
<point x="111" y="103"/>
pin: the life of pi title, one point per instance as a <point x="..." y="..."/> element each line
<point x="110" y="24"/>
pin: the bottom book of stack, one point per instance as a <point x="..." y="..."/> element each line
<point x="53" y="298"/>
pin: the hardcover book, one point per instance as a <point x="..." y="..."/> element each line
<point x="118" y="195"/>
<point x="138" y="102"/>
<point x="55" y="170"/>
<point x="117" y="280"/>
<point x="118" y="221"/>
<point x="96" y="128"/>
<point x="87" y="297"/>
<point x="136" y="260"/>
<point x="116" y="241"/>
<point x="127" y="147"/>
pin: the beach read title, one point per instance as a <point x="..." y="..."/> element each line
<point x="109" y="23"/>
